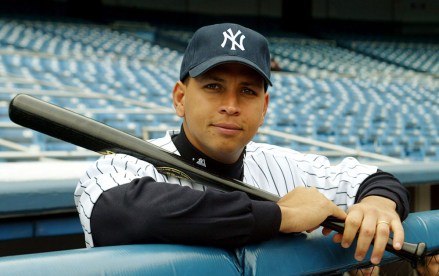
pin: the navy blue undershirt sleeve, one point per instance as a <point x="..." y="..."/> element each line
<point x="145" y="211"/>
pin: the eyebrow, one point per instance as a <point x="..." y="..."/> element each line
<point x="207" y="77"/>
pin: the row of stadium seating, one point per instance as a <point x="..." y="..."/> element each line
<point x="326" y="92"/>
<point x="299" y="56"/>
<point x="417" y="53"/>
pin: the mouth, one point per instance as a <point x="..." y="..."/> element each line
<point x="227" y="128"/>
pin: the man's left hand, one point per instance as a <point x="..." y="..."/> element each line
<point x="374" y="218"/>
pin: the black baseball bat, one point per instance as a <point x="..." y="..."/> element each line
<point x="82" y="131"/>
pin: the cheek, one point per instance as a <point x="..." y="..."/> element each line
<point x="255" y="121"/>
<point x="195" y="112"/>
<point x="186" y="107"/>
<point x="261" y="118"/>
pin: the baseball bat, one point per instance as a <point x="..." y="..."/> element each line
<point x="85" y="132"/>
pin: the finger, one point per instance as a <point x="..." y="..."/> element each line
<point x="352" y="225"/>
<point x="380" y="242"/>
<point x="365" y="237"/>
<point x="337" y="238"/>
<point x="398" y="234"/>
<point x="326" y="231"/>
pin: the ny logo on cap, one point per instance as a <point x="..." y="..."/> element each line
<point x="232" y="37"/>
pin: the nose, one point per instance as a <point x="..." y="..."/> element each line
<point x="230" y="103"/>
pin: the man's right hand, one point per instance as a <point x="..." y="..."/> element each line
<point x="304" y="209"/>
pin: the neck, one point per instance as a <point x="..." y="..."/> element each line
<point x="199" y="159"/>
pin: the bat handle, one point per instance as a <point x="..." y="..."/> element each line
<point x="412" y="252"/>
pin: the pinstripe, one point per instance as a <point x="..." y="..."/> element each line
<point x="317" y="175"/>
<point x="89" y="197"/>
<point x="118" y="184"/>
<point x="282" y="172"/>
<point x="291" y="172"/>
<point x="303" y="182"/>
<point x="97" y="184"/>
<point x="255" y="183"/>
<point x="347" y="194"/>
<point x="261" y="170"/>
<point x="85" y="215"/>
<point x="98" y="168"/>
<point x="345" y="172"/>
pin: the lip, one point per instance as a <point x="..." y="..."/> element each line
<point x="227" y="128"/>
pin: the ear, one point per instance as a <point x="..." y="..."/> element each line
<point x="178" y="98"/>
<point x="266" y="101"/>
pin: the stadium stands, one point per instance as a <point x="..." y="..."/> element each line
<point x="327" y="92"/>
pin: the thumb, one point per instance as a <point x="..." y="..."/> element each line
<point x="339" y="213"/>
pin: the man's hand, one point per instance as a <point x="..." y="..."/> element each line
<point x="374" y="218"/>
<point x="303" y="209"/>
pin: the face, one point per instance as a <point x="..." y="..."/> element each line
<point x="222" y="109"/>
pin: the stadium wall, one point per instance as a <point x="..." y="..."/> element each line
<point x="401" y="17"/>
<point x="359" y="10"/>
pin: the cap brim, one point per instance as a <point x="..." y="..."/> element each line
<point x="203" y="67"/>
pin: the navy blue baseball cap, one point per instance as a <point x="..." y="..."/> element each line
<point x="223" y="43"/>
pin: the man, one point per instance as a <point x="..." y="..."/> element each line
<point x="222" y="98"/>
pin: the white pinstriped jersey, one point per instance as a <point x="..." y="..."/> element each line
<point x="271" y="168"/>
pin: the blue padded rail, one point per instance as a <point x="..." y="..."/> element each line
<point x="125" y="260"/>
<point x="287" y="255"/>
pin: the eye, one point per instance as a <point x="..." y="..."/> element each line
<point x="213" y="86"/>
<point x="248" y="91"/>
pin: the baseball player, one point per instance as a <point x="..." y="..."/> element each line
<point x="222" y="99"/>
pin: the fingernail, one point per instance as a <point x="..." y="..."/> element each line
<point x="398" y="246"/>
<point x="359" y="257"/>
<point x="345" y="245"/>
